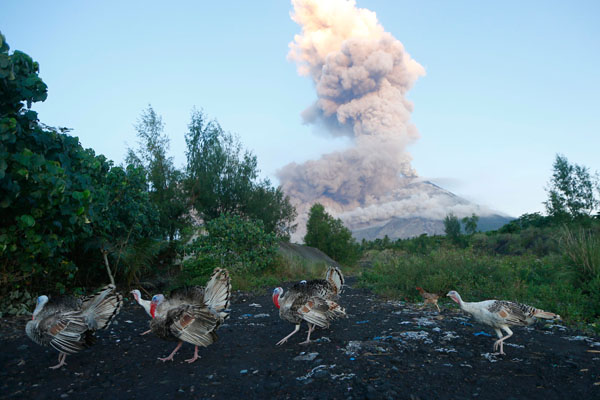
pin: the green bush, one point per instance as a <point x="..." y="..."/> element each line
<point x="233" y="242"/>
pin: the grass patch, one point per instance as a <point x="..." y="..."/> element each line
<point x="547" y="283"/>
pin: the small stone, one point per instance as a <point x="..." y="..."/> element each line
<point x="321" y="373"/>
<point x="306" y="357"/>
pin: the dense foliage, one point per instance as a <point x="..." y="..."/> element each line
<point x="233" y="242"/>
<point x="329" y="235"/>
<point x="60" y="202"/>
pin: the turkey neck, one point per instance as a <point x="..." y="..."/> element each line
<point x="276" y="300"/>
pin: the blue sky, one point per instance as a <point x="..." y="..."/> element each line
<point x="508" y="84"/>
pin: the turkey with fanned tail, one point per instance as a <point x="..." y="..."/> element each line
<point x="192" y="314"/>
<point x="313" y="301"/>
<point x="68" y="324"/>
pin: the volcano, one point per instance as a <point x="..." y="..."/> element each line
<point x="414" y="208"/>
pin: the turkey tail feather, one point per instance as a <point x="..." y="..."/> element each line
<point x="546" y="315"/>
<point x="336" y="278"/>
<point x="218" y="292"/>
<point x="100" y="309"/>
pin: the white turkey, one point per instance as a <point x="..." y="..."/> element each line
<point x="68" y="324"/>
<point x="501" y="314"/>
<point x="313" y="301"/>
<point x="192" y="315"/>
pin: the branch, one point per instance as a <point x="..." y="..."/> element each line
<point x="104" y="254"/>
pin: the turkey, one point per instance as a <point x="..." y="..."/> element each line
<point x="429" y="298"/>
<point x="192" y="315"/>
<point x="501" y="314"/>
<point x="313" y="301"/>
<point x="68" y="324"/>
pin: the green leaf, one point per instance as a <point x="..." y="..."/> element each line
<point x="27" y="220"/>
<point x="77" y="195"/>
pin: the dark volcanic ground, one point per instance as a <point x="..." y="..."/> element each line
<point x="383" y="350"/>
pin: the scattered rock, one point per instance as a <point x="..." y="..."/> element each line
<point x="306" y="356"/>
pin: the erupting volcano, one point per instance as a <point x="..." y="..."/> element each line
<point x="362" y="75"/>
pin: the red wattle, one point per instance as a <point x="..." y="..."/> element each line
<point x="276" y="300"/>
<point x="152" y="309"/>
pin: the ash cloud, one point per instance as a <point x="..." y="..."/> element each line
<point x="361" y="75"/>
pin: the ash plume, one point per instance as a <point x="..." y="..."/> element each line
<point x="361" y="75"/>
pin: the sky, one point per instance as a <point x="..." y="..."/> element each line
<point x="507" y="85"/>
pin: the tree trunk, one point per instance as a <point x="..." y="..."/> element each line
<point x="105" y="255"/>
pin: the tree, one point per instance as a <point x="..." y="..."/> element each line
<point x="470" y="224"/>
<point x="452" y="228"/>
<point x="222" y="178"/>
<point x="273" y="208"/>
<point x="330" y="236"/>
<point x="570" y="190"/>
<point x="165" y="181"/>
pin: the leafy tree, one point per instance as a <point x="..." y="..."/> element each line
<point x="570" y="191"/>
<point x="329" y="235"/>
<point x="231" y="241"/>
<point x="222" y="178"/>
<point x="273" y="208"/>
<point x="452" y="228"/>
<point x="165" y="181"/>
<point x="56" y="198"/>
<point x="470" y="224"/>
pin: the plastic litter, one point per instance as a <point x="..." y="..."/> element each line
<point x="482" y="333"/>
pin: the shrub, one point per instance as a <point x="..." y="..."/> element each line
<point x="233" y="242"/>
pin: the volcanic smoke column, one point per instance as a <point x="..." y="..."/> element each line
<point x="361" y="74"/>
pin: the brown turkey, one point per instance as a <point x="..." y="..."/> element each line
<point x="429" y="298"/>
<point x="68" y="324"/>
<point x="193" y="314"/>
<point x="313" y="301"/>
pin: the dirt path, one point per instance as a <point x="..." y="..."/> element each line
<point x="383" y="350"/>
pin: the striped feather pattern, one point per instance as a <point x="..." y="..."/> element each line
<point x="68" y="324"/>
<point x="193" y="314"/>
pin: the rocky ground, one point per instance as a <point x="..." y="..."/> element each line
<point x="383" y="350"/>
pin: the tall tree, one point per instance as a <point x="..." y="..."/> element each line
<point x="452" y="227"/>
<point x="470" y="224"/>
<point x="222" y="178"/>
<point x="329" y="235"/>
<point x="165" y="181"/>
<point x="570" y="190"/>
